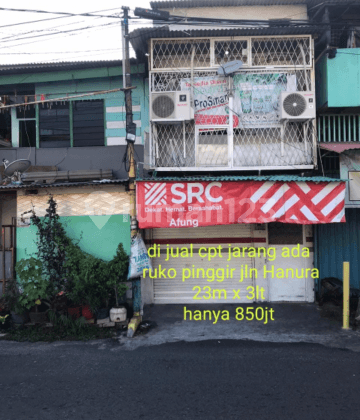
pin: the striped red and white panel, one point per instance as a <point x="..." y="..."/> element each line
<point x="193" y="204"/>
<point x="155" y="193"/>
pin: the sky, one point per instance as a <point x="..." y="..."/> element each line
<point x="76" y="38"/>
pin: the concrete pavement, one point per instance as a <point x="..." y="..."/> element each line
<point x="293" y="323"/>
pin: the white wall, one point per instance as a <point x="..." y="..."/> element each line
<point x="297" y="12"/>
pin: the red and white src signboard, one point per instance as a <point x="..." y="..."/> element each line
<point x="193" y="204"/>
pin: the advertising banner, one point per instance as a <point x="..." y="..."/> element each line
<point x="193" y="204"/>
<point x="256" y="98"/>
<point x="211" y="100"/>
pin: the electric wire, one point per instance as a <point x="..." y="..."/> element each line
<point x="61" y="52"/>
<point x="90" y="14"/>
<point x="47" y="28"/>
<point x="56" y="33"/>
<point x="75" y="30"/>
<point x="47" y="19"/>
<point x="101" y="16"/>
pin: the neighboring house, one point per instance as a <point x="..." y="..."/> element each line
<point x="73" y="132"/>
<point x="338" y="101"/>
<point x="229" y="155"/>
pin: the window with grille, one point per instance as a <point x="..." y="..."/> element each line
<point x="271" y="65"/>
<point x="229" y="50"/>
<point x="173" y="144"/>
<point x="178" y="53"/>
<point x="212" y="147"/>
<point x="292" y="51"/>
<point x="280" y="51"/>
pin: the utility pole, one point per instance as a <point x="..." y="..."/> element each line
<point x="130" y="139"/>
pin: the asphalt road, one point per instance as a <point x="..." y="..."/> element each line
<point x="199" y="380"/>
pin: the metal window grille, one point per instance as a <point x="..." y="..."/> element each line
<point x="212" y="147"/>
<point x="173" y="146"/>
<point x="338" y="128"/>
<point x="170" y="53"/>
<point x="253" y="144"/>
<point x="280" y="146"/>
<point x="280" y="51"/>
<point x="171" y="81"/>
<point x="229" y="50"/>
<point x="184" y="146"/>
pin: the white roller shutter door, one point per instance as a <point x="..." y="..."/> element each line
<point x="167" y="290"/>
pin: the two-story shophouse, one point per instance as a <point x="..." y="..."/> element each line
<point x="231" y="152"/>
<point x="338" y="124"/>
<point x="68" y="121"/>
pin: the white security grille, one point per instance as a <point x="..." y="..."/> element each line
<point x="212" y="52"/>
<point x="280" y="51"/>
<point x="275" y="146"/>
<point x="212" y="147"/>
<point x="170" y="53"/>
<point x="229" y="50"/>
<point x="271" y="65"/>
<point x="173" y="145"/>
<point x="256" y="147"/>
<point x="171" y="81"/>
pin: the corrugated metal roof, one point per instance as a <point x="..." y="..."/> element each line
<point x="282" y="178"/>
<point x="220" y="3"/>
<point x="340" y="147"/>
<point x="228" y="3"/>
<point x="139" y="38"/>
<point x="62" y="65"/>
<point x="63" y="184"/>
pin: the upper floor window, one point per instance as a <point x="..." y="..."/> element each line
<point x="27" y="126"/>
<point x="88" y="123"/>
<point x="186" y="53"/>
<point x="78" y="124"/>
<point x="55" y="126"/>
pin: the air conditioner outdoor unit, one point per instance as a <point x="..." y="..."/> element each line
<point x="297" y="106"/>
<point x="171" y="106"/>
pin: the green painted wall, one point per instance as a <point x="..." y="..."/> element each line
<point x="114" y="119"/>
<point x="72" y="83"/>
<point x="43" y="76"/>
<point x="100" y="235"/>
<point x="338" y="79"/>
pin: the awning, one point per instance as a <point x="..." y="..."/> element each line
<point x="35" y="186"/>
<point x="139" y="37"/>
<point x="340" y="147"/>
<point x="204" y="203"/>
